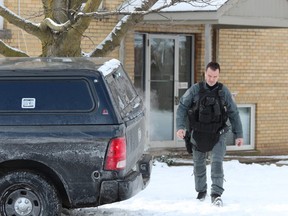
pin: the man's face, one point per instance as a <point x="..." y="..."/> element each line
<point x="211" y="76"/>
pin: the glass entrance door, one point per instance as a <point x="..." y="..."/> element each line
<point x="169" y="71"/>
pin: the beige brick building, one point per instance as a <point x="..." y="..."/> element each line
<point x="165" y="54"/>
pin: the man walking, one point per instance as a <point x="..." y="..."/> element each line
<point x="208" y="105"/>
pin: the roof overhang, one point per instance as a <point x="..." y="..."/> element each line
<point x="237" y="13"/>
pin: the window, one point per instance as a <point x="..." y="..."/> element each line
<point x="247" y="115"/>
<point x="46" y="95"/>
<point x="122" y="91"/>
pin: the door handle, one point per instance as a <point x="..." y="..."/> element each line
<point x="176" y="100"/>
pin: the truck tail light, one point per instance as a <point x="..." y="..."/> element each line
<point x="116" y="154"/>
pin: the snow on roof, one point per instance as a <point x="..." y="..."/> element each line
<point x="200" y="5"/>
<point x="109" y="66"/>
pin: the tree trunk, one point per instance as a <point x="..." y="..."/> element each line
<point x="67" y="42"/>
<point x="64" y="44"/>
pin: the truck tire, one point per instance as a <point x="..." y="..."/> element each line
<point x="24" y="193"/>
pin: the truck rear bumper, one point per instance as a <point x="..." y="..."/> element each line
<point x="117" y="190"/>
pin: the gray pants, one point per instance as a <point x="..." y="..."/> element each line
<point x="217" y="173"/>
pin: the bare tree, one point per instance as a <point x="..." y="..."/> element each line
<point x="65" y="21"/>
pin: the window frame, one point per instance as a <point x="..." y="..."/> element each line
<point x="251" y="144"/>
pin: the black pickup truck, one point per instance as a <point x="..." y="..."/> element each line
<point x="72" y="135"/>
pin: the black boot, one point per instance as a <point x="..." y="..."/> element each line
<point x="201" y="195"/>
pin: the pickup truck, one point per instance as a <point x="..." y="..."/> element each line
<point x="72" y="135"/>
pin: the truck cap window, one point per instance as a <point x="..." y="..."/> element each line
<point x="45" y="95"/>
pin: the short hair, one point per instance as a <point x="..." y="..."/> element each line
<point x="213" y="65"/>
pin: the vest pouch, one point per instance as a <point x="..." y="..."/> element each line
<point x="205" y="114"/>
<point x="205" y="141"/>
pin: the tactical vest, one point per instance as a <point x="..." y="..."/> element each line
<point x="207" y="117"/>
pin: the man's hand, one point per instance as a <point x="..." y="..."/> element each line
<point x="239" y="141"/>
<point x="180" y="133"/>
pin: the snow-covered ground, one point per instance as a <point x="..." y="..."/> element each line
<point x="250" y="189"/>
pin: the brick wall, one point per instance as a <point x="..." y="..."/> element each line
<point x="100" y="28"/>
<point x="32" y="11"/>
<point x="253" y="65"/>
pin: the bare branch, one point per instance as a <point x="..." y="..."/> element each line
<point x="9" y="51"/>
<point x="54" y="26"/>
<point x="18" y="21"/>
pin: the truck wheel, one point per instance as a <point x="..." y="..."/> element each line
<point x="27" y="194"/>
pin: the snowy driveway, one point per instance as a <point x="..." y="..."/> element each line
<point x="249" y="190"/>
